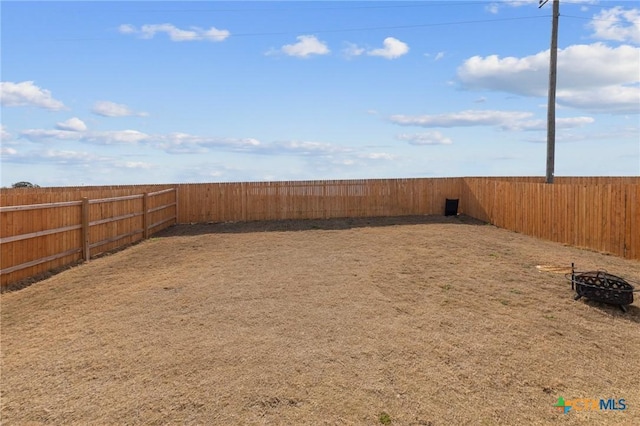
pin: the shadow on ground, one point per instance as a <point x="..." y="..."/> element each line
<point x="311" y="224"/>
<point x="632" y="311"/>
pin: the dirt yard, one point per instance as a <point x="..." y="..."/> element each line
<point x="404" y="321"/>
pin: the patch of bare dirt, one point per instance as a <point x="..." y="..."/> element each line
<point x="426" y="320"/>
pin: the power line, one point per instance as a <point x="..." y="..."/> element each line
<point x="341" y="30"/>
<point x="339" y="5"/>
<point x="585" y="18"/>
<point x="393" y="27"/>
<point x="343" y="6"/>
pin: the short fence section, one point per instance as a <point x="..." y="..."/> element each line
<point x="39" y="237"/>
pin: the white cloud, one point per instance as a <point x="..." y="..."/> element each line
<point x="214" y="34"/>
<point x="495" y="6"/>
<point x="212" y="171"/>
<point x="617" y="24"/>
<point x="510" y="74"/>
<point x="306" y="46"/>
<point x="135" y="165"/>
<point x="519" y="3"/>
<point x="461" y="119"/>
<point x="99" y="138"/>
<point x="352" y="50"/>
<point x="71" y="158"/>
<point x="148" y="31"/>
<point x="505" y="120"/>
<point x="586" y="74"/>
<point x="7" y="151"/>
<point x="173" y="143"/>
<point x="428" y="138"/>
<point x="348" y="162"/>
<point x="185" y="143"/>
<point x="609" y="99"/>
<point x="438" y="56"/>
<point x="42" y="135"/>
<point x="127" y="29"/>
<point x="67" y="157"/>
<point x="630" y="133"/>
<point x="112" y="109"/>
<point x="59" y="157"/>
<point x="572" y="122"/>
<point x="492" y="8"/>
<point x="26" y="93"/>
<point x="561" y="123"/>
<point x="75" y="167"/>
<point x="115" y="137"/>
<point x="392" y="48"/>
<point x="598" y="65"/>
<point x="377" y="156"/>
<point x="73" y="124"/>
<point x="303" y="148"/>
<point x="174" y="33"/>
<point x="4" y="134"/>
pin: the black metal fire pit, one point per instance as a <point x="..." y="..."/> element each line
<point x="602" y="287"/>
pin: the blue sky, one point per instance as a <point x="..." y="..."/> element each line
<point x="99" y="93"/>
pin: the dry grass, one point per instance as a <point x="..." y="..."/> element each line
<point x="431" y="321"/>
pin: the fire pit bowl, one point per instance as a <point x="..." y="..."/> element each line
<point x="601" y="286"/>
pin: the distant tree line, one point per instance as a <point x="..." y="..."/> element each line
<point x="24" y="184"/>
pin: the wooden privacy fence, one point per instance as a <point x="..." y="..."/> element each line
<point x="603" y="216"/>
<point x="39" y="237"/>
<point x="223" y="202"/>
<point x="45" y="228"/>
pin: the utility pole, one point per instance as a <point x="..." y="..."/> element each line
<point x="551" y="106"/>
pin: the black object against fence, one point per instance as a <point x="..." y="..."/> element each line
<point x="451" y="207"/>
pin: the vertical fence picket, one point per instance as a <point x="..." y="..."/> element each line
<point x="86" y="254"/>
<point x="145" y="215"/>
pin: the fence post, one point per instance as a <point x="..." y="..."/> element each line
<point x="86" y="254"/>
<point x="145" y="215"/>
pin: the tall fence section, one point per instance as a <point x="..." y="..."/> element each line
<point x="46" y="228"/>
<point x="39" y="237"/>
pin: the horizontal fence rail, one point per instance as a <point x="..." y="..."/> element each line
<point x="43" y="236"/>
<point x="46" y="228"/>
